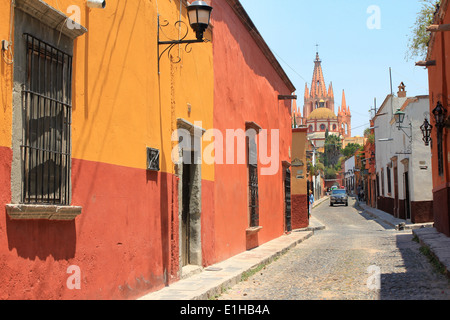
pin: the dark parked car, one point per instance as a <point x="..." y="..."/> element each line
<point x="338" y="196"/>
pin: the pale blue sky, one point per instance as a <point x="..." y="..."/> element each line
<point x="354" y="57"/>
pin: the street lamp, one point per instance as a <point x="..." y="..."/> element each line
<point x="439" y="115"/>
<point x="199" y="14"/>
<point x="426" y="131"/>
<point x="399" y="117"/>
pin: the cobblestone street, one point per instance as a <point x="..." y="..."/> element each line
<point x="335" y="264"/>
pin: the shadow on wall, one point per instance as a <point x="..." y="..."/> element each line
<point x="39" y="239"/>
<point x="102" y="81"/>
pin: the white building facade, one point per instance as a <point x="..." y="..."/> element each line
<point x="349" y="175"/>
<point x="403" y="162"/>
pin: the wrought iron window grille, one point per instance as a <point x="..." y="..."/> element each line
<point x="288" y="200"/>
<point x="47" y="111"/>
<point x="253" y="183"/>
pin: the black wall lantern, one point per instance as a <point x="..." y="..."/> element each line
<point x="439" y="116"/>
<point x="426" y="131"/>
<point x="199" y="14"/>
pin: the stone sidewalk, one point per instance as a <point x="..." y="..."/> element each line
<point x="437" y="243"/>
<point x="211" y="281"/>
<point x="389" y="219"/>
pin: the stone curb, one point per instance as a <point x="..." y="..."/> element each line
<point x="438" y="244"/>
<point x="398" y="224"/>
<point x="428" y="236"/>
<point x="213" y="280"/>
<point x="320" y="201"/>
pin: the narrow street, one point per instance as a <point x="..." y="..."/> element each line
<point x="337" y="262"/>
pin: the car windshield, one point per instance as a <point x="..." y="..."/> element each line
<point x="338" y="192"/>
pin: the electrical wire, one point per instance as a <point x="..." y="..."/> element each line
<point x="10" y="60"/>
<point x="279" y="57"/>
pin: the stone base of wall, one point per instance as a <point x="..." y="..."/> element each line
<point x="441" y="210"/>
<point x="300" y="218"/>
<point x="386" y="204"/>
<point x="421" y="211"/>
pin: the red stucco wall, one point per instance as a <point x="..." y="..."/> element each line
<point x="121" y="242"/>
<point x="300" y="217"/>
<point x="246" y="89"/>
<point x="439" y="77"/>
<point x="124" y="242"/>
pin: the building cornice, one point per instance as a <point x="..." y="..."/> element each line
<point x="53" y="18"/>
<point x="249" y="25"/>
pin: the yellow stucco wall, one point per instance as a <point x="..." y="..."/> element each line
<point x="120" y="103"/>
<point x="5" y="80"/>
<point x="299" y="140"/>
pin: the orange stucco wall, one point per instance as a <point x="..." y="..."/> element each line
<point x="439" y="77"/>
<point x="6" y="72"/>
<point x="299" y="176"/>
<point x="125" y="242"/>
<point x="246" y="89"/>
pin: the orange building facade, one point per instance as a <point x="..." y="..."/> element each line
<point x="95" y="199"/>
<point x="249" y="216"/>
<point x="438" y="74"/>
<point x="113" y="232"/>
<point x="299" y="179"/>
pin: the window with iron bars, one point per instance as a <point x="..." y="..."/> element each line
<point x="253" y="182"/>
<point x="47" y="110"/>
<point x="388" y="174"/>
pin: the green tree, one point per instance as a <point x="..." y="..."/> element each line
<point x="369" y="135"/>
<point x="351" y="149"/>
<point x="332" y="150"/>
<point x="320" y="167"/>
<point x="330" y="173"/>
<point x="419" y="38"/>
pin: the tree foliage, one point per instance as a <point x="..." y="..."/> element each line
<point x="330" y="173"/>
<point x="351" y="149"/>
<point x="332" y="150"/>
<point x="369" y="135"/>
<point x="420" y="37"/>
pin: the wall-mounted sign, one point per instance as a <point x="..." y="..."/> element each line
<point x="297" y="163"/>
<point x="153" y="159"/>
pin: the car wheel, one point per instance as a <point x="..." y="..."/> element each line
<point x="346" y="204"/>
<point x="331" y="204"/>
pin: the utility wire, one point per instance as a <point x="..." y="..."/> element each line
<point x="279" y="57"/>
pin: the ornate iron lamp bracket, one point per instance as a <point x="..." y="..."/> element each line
<point x="171" y="43"/>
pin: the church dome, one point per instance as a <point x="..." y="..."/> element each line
<point x="322" y="114"/>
